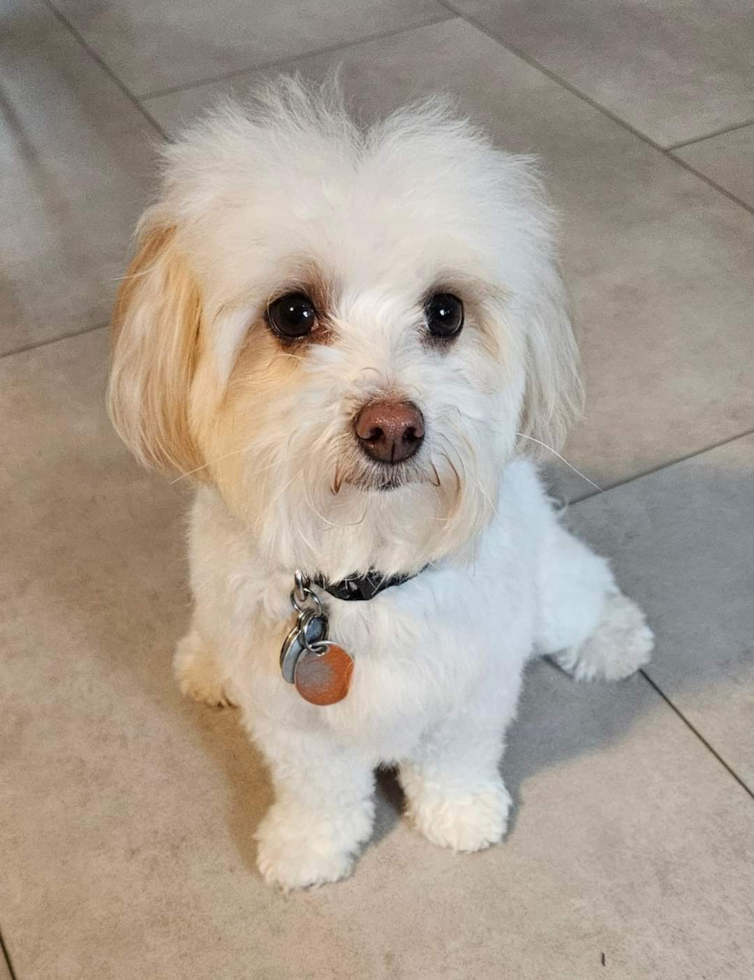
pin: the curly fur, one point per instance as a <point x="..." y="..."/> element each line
<point x="287" y="193"/>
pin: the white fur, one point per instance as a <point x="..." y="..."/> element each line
<point x="257" y="196"/>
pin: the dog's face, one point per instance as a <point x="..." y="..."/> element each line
<point x="344" y="332"/>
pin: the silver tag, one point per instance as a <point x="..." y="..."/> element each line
<point x="309" y="625"/>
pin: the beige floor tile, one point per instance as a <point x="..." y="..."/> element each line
<point x="152" y="46"/>
<point x="75" y="166"/>
<point x="727" y="159"/>
<point x="684" y="543"/>
<point x="126" y="816"/>
<point x="658" y="262"/>
<point x="674" y="71"/>
<point x="26" y="21"/>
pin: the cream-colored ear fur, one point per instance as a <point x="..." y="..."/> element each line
<point x="554" y="394"/>
<point x="156" y="332"/>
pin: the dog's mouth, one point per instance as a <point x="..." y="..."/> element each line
<point x="383" y="478"/>
<point x="392" y="482"/>
<point x="386" y="477"/>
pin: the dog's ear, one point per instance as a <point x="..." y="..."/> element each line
<point x="156" y="326"/>
<point x="554" y="394"/>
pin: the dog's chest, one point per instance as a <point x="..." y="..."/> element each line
<point x="420" y="655"/>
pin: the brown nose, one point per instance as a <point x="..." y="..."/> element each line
<point x="390" y="431"/>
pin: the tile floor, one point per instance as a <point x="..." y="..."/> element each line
<point x="126" y="815"/>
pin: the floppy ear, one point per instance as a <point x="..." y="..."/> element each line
<point x="554" y="394"/>
<point x="156" y="324"/>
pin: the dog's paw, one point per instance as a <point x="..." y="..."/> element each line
<point x="621" y="644"/>
<point x="463" y="823"/>
<point x="294" y="852"/>
<point x="198" y="675"/>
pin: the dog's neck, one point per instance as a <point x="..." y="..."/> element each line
<point x="361" y="588"/>
<point x="339" y="555"/>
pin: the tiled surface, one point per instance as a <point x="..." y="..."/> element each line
<point x="154" y="46"/>
<point x="75" y="166"/>
<point x="727" y="159"/>
<point x="25" y="21"/>
<point x="659" y="264"/>
<point x="675" y="71"/>
<point x="684" y="541"/>
<point x="126" y="815"/>
<point x="129" y="814"/>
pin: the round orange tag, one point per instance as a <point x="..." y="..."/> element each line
<point x="324" y="678"/>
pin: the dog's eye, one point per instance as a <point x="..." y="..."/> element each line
<point x="444" y="313"/>
<point x="292" y="316"/>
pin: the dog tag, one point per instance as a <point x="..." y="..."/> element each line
<point x="315" y="629"/>
<point x="324" y="678"/>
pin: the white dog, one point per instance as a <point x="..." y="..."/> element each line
<point x="350" y="338"/>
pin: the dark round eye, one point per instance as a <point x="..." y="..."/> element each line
<point x="292" y="316"/>
<point x="444" y="313"/>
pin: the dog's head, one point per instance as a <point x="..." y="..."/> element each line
<point x="345" y="331"/>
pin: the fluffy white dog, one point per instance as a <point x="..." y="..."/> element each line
<point x="350" y="337"/>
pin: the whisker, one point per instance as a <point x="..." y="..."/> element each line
<point x="204" y="466"/>
<point x="486" y="496"/>
<point x="322" y="517"/>
<point x="563" y="459"/>
<point x="452" y="408"/>
<point x="275" y="499"/>
<point x="246" y="449"/>
<point x="301" y="534"/>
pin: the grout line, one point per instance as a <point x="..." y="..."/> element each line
<point x="297" y="57"/>
<point x="519" y="53"/>
<point x="105" y="67"/>
<point x="709" y="136"/>
<point x="52" y="340"/>
<point x="709" y="181"/>
<point x="698" y="734"/>
<point x="661" y="466"/>
<point x="4" y="954"/>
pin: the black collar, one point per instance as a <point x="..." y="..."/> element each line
<point x="358" y="588"/>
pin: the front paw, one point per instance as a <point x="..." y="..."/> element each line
<point x="198" y="674"/>
<point x="299" y="851"/>
<point x="463" y="823"/>
<point x="621" y="644"/>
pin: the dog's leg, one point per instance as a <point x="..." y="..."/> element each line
<point x="324" y="809"/>
<point x="198" y="673"/>
<point x="586" y="624"/>
<point x="455" y="794"/>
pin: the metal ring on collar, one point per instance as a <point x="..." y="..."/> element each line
<point x="309" y="597"/>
